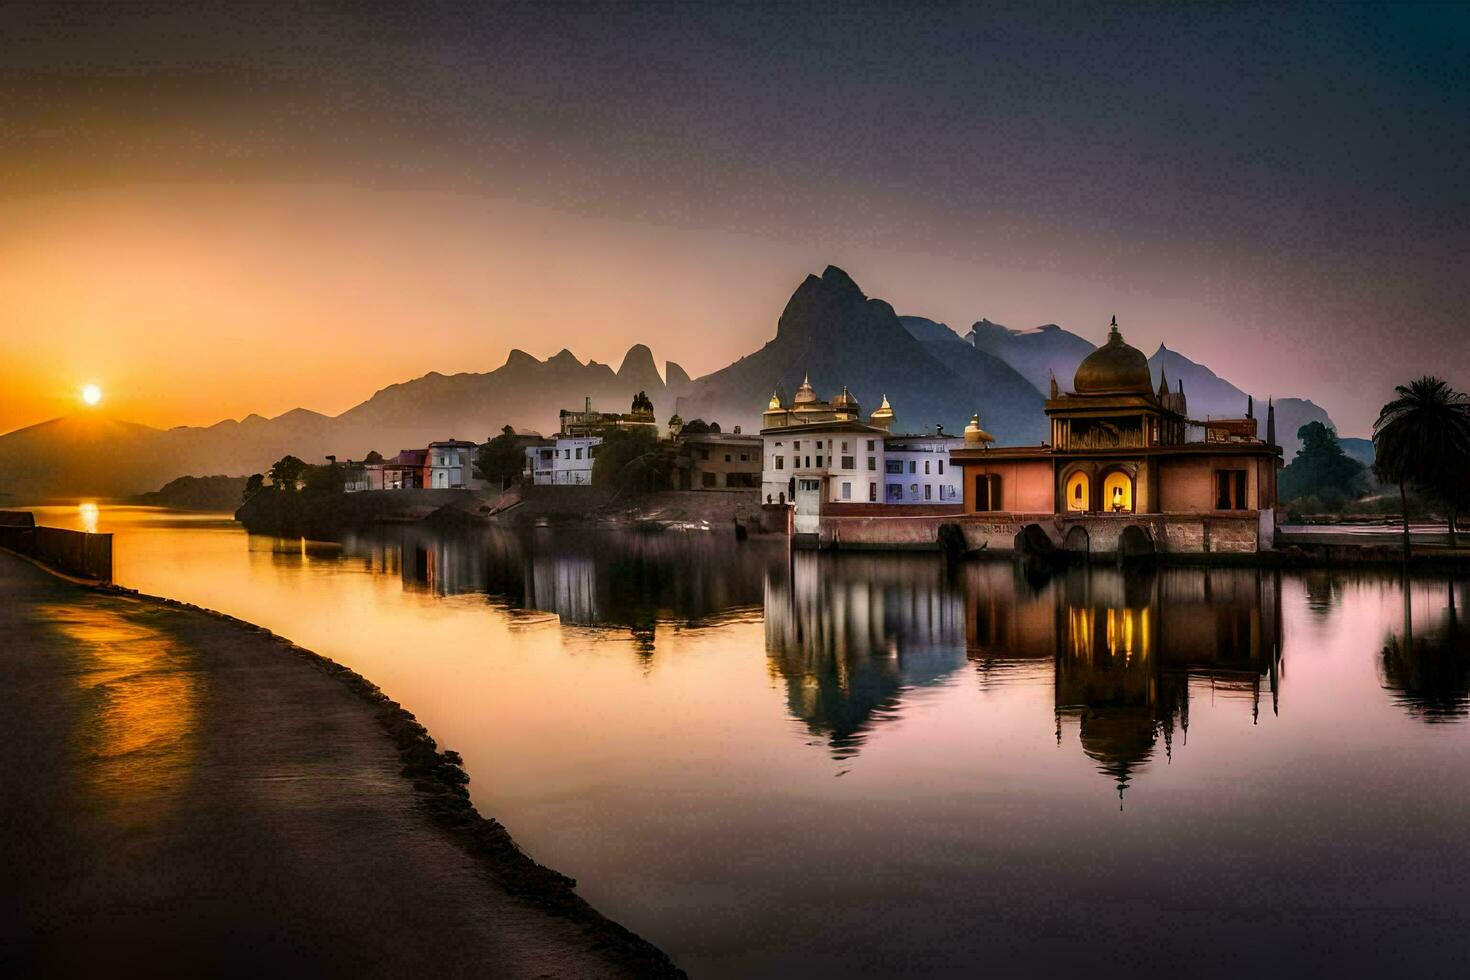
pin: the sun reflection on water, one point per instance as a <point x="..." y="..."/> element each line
<point x="87" y="515"/>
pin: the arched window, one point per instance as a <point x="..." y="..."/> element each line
<point x="1078" y="492"/>
<point x="1118" y="493"/>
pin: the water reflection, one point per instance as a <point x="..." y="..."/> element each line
<point x="848" y="633"/>
<point x="608" y="580"/>
<point x="1427" y="669"/>
<point x="1129" y="646"/>
<point x="142" y="702"/>
<point x="853" y="636"/>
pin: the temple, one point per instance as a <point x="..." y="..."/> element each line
<point x="1126" y="472"/>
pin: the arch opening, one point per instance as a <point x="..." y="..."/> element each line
<point x="1078" y="492"/>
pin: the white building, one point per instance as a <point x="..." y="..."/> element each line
<point x="451" y="465"/>
<point x="541" y="462"/>
<point x="572" y="458"/>
<point x="916" y="470"/>
<point x="816" y="451"/>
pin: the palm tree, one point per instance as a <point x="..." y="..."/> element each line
<point x="1423" y="437"/>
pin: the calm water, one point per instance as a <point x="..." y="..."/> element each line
<point x="861" y="766"/>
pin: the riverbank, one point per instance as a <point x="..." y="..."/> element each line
<point x="329" y="514"/>
<point x="189" y="794"/>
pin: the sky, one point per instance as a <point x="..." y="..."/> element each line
<point x="216" y="209"/>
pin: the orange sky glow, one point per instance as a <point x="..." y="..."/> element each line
<point x="187" y="304"/>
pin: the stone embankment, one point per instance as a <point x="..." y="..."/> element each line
<point x="190" y="795"/>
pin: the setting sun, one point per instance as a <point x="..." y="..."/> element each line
<point x="91" y="394"/>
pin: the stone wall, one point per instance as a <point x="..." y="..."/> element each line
<point x="1166" y="533"/>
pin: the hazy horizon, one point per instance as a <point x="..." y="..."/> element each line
<point x="212" y="212"/>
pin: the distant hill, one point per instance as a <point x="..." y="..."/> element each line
<point x="1359" y="449"/>
<point x="835" y="334"/>
<point x="91" y="455"/>
<point x="1036" y="354"/>
<point x="197" y="493"/>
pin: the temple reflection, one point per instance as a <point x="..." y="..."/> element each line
<point x="850" y="633"/>
<point x="1126" y="646"/>
<point x="854" y="636"/>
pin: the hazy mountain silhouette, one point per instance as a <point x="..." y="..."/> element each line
<point x="1045" y="350"/>
<point x="91" y="455"/>
<point x="829" y="329"/>
<point x="1212" y="396"/>
<point x="835" y="334"/>
<point x="1036" y="354"/>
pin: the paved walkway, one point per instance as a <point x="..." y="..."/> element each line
<point x="180" y="795"/>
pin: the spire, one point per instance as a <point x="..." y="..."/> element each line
<point x="1163" y="384"/>
<point x="1270" y="422"/>
<point x="1055" y="391"/>
<point x="1250" y="406"/>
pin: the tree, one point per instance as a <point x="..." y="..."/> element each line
<point x="630" y="462"/>
<point x="501" y="461"/>
<point x="1322" y="470"/>
<point x="253" y="485"/>
<point x="325" y="479"/>
<point x="373" y="456"/>
<point x="287" y="472"/>
<point x="1423" y="437"/>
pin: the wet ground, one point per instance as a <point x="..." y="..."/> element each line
<point x="182" y="796"/>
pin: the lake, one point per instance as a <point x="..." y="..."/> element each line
<point x="777" y="764"/>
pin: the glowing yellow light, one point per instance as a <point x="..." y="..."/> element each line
<point x="88" y="513"/>
<point x="91" y="394"/>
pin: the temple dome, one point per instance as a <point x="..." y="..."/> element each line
<point x="845" y="401"/>
<point x="1114" y="369"/>
<point x="774" y="405"/>
<point x="976" y="436"/>
<point x="806" y="394"/>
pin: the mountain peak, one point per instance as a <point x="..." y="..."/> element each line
<point x="564" y="357"/>
<point x="839" y="279"/>
<point x="519" y="358"/>
<point x="639" y="359"/>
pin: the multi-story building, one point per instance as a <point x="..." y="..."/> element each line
<point x="916" y="470"/>
<point x="450" y="465"/>
<point x="815" y="449"/>
<point x="716" y="461"/>
<point x="572" y="459"/>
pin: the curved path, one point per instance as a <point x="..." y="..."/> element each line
<point x="187" y="795"/>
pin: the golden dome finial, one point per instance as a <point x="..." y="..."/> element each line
<point x="774" y="405"/>
<point x="974" y="435"/>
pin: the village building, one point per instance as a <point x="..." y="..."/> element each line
<point x="451" y="465"/>
<point x="567" y="460"/>
<point x="916" y="470"/>
<point x="715" y="460"/>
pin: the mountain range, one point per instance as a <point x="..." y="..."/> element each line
<point x="833" y="334"/>
<point x="86" y="454"/>
<point x="829" y="331"/>
<point x="1047" y="351"/>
